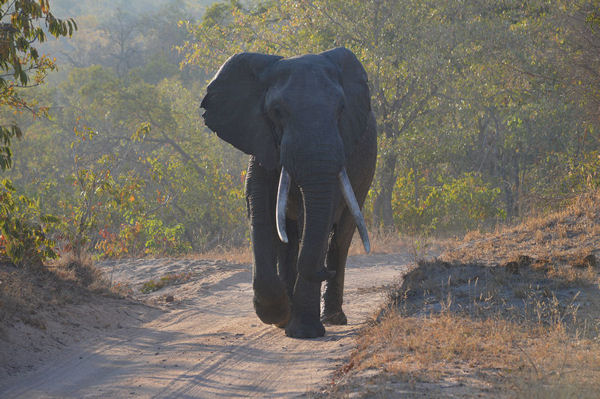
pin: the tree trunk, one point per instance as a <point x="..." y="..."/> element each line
<point x="383" y="215"/>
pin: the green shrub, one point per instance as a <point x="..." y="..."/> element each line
<point x="24" y="228"/>
<point x="455" y="204"/>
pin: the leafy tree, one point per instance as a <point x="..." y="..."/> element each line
<point x="458" y="89"/>
<point x="23" y="23"/>
<point x="405" y="46"/>
<point x="134" y="140"/>
<point x="485" y="111"/>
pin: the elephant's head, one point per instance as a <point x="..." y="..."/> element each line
<point x="304" y="115"/>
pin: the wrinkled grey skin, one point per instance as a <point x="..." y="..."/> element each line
<point x="311" y="115"/>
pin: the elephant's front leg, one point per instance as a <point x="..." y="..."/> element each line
<point x="270" y="297"/>
<point x="306" y="306"/>
<point x="336" y="261"/>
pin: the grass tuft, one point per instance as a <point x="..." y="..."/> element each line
<point x="166" y="280"/>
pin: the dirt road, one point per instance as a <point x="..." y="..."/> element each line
<point x="207" y="342"/>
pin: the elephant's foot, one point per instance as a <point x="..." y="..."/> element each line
<point x="275" y="312"/>
<point x="334" y="318"/>
<point x="271" y="303"/>
<point x="304" y="327"/>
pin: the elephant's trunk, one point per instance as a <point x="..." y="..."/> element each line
<point x="318" y="202"/>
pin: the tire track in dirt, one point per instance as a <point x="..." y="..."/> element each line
<point x="207" y="343"/>
<point x="193" y="383"/>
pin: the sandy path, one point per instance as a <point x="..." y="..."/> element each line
<point x="207" y="342"/>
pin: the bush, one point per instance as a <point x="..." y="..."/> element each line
<point x="24" y="239"/>
<point x="456" y="204"/>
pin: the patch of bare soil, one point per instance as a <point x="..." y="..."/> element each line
<point x="44" y="310"/>
<point x="195" y="336"/>
<point x="514" y="314"/>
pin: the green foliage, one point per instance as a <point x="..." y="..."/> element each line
<point x="141" y="177"/>
<point x="25" y="229"/>
<point x="23" y="23"/>
<point x="143" y="237"/>
<point x="584" y="174"/>
<point x="164" y="240"/>
<point x="29" y="22"/>
<point x="111" y="215"/>
<point x="470" y="98"/>
<point x="455" y="204"/>
<point x="485" y="110"/>
<point x="6" y="135"/>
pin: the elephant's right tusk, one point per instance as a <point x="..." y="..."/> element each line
<point x="350" y="198"/>
<point x="282" y="196"/>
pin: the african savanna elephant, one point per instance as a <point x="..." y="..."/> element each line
<point x="307" y="123"/>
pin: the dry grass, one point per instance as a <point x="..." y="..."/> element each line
<point x="165" y="281"/>
<point x="238" y="255"/>
<point x="24" y="292"/>
<point x="557" y="237"/>
<point x="382" y="241"/>
<point x="489" y="356"/>
<point x="514" y="313"/>
<point x="393" y="242"/>
<point x="80" y="271"/>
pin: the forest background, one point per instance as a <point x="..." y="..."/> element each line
<point x="487" y="112"/>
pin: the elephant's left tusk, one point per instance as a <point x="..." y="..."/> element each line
<point x="282" y="196"/>
<point x="350" y="198"/>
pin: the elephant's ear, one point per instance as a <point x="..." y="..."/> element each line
<point x="234" y="106"/>
<point x="353" y="121"/>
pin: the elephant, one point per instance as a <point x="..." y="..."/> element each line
<point x="307" y="124"/>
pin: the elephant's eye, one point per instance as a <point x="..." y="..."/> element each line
<point x="276" y="112"/>
<point x="340" y="110"/>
